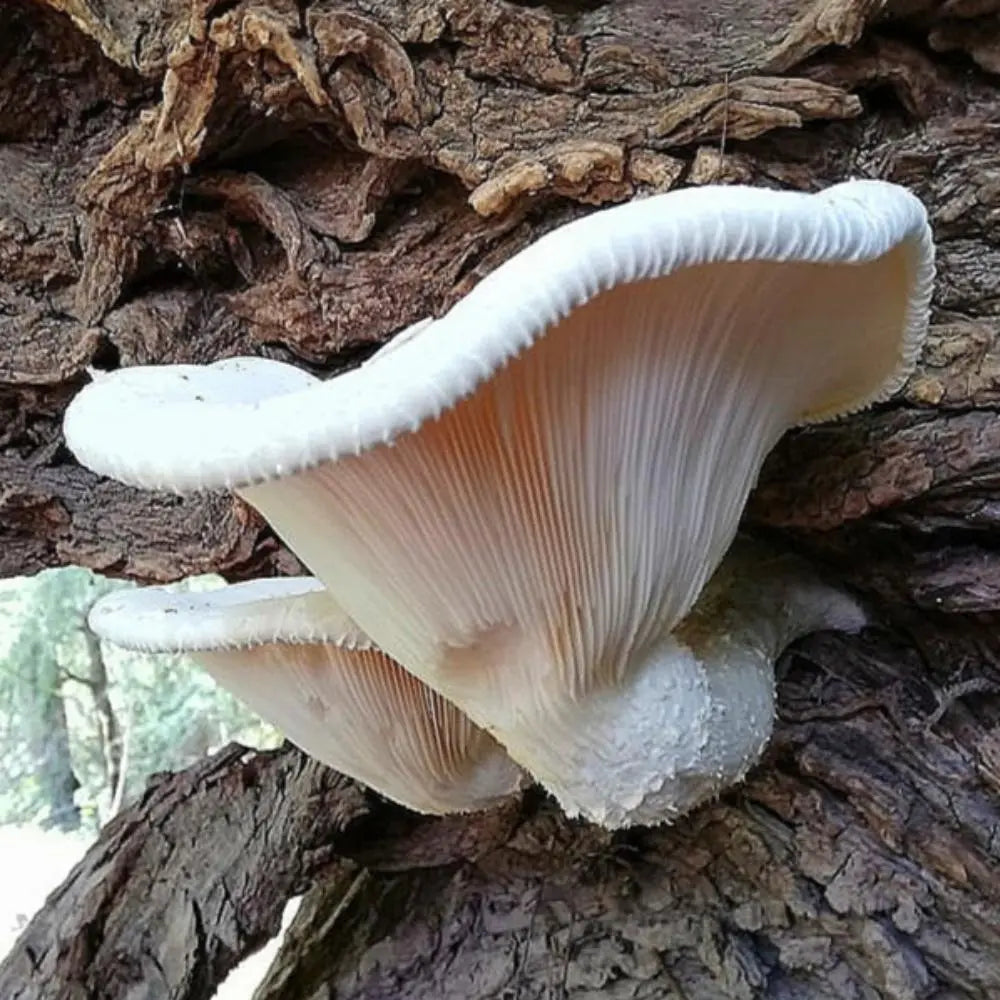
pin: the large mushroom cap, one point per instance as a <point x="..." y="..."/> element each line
<point x="524" y="499"/>
<point x="291" y="654"/>
<point x="247" y="419"/>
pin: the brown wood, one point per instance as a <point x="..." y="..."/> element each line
<point x="184" y="181"/>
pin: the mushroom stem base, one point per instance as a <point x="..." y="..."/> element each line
<point x="697" y="708"/>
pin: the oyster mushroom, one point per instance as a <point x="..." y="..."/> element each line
<point x="285" y="649"/>
<point x="523" y="502"/>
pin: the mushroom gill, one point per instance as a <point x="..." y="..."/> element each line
<point x="285" y="649"/>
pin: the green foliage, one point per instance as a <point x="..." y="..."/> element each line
<point x="84" y="725"/>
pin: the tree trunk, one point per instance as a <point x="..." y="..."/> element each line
<point x="185" y="181"/>
<point x="106" y="719"/>
<point x="43" y="714"/>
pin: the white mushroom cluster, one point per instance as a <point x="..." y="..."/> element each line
<point x="523" y="512"/>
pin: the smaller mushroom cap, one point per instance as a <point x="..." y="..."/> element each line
<point x="286" y="649"/>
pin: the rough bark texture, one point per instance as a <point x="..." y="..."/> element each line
<point x="186" y="181"/>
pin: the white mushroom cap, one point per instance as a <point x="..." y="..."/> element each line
<point x="249" y="415"/>
<point x="291" y="654"/>
<point x="523" y="500"/>
<point x="283" y="609"/>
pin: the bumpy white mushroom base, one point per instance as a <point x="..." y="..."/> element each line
<point x="696" y="712"/>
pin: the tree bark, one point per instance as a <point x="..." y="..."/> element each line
<point x="44" y="718"/>
<point x="189" y="181"/>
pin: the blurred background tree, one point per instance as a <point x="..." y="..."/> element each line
<point x="83" y="726"/>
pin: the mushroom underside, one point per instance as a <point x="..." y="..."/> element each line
<point x="286" y="650"/>
<point x="569" y="511"/>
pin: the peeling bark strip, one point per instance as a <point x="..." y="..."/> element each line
<point x="189" y="181"/>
